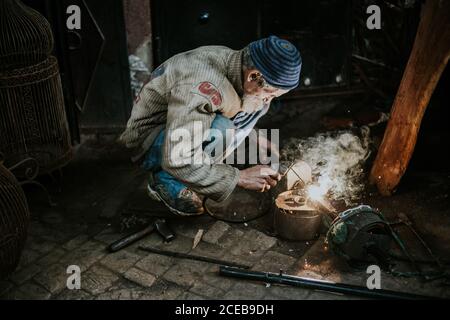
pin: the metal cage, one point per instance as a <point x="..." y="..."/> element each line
<point x="25" y="36"/>
<point x="14" y="220"/>
<point x="33" y="123"/>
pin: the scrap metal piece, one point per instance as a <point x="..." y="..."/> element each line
<point x="160" y="226"/>
<point x="294" y="219"/>
<point x="297" y="175"/>
<point x="306" y="283"/>
<point x="359" y="234"/>
<point x="131" y="238"/>
<point x="197" y="238"/>
<point x="181" y="255"/>
<point x="164" y="230"/>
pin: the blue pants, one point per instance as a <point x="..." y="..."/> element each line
<point x="152" y="160"/>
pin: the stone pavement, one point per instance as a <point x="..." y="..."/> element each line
<point x="135" y="274"/>
<point x="93" y="210"/>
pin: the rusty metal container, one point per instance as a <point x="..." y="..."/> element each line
<point x="14" y="220"/>
<point x="294" y="219"/>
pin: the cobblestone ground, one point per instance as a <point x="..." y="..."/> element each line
<point x="135" y="274"/>
<point x="86" y="220"/>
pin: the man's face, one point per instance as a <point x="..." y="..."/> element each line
<point x="257" y="93"/>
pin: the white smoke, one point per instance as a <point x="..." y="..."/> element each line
<point x="336" y="160"/>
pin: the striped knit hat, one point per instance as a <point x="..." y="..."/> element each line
<point x="278" y="60"/>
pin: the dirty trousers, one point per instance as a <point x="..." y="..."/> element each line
<point x="153" y="157"/>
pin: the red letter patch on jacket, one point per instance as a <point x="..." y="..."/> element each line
<point x="210" y="92"/>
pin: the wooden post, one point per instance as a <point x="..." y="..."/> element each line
<point x="427" y="61"/>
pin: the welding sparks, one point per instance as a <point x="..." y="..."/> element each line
<point x="316" y="193"/>
<point x="336" y="160"/>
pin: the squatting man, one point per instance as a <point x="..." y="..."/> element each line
<point x="193" y="101"/>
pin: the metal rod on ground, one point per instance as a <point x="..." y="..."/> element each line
<point x="193" y="257"/>
<point x="131" y="238"/>
<point x="269" y="277"/>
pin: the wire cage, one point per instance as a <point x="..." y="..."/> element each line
<point x="33" y="123"/>
<point x="25" y="36"/>
<point x="32" y="116"/>
<point x="14" y="220"/>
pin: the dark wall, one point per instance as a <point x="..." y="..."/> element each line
<point x="432" y="152"/>
<point x="93" y="62"/>
<point x="321" y="30"/>
<point x="137" y="20"/>
<point x="108" y="102"/>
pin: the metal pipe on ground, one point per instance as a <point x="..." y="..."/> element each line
<point x="342" y="288"/>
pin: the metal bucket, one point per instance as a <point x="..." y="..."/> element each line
<point x="294" y="219"/>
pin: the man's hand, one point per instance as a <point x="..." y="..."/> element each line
<point x="258" y="178"/>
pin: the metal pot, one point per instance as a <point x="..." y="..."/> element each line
<point x="294" y="219"/>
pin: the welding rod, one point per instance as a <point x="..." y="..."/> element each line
<point x="193" y="257"/>
<point x="291" y="167"/>
<point x="269" y="277"/>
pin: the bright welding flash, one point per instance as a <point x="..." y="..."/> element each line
<point x="316" y="193"/>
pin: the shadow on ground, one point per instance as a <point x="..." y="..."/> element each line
<point x="103" y="197"/>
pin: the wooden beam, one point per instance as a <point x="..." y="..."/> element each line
<point x="427" y="61"/>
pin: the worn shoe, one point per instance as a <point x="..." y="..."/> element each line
<point x="176" y="196"/>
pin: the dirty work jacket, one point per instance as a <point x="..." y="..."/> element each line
<point x="190" y="87"/>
